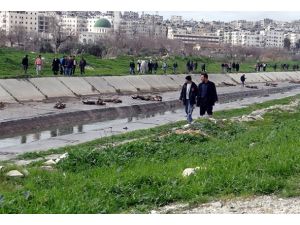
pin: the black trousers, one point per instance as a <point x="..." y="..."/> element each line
<point x="205" y="107"/>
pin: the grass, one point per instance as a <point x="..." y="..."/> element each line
<point x="10" y="64"/>
<point x="144" y="174"/>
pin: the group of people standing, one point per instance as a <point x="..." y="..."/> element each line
<point x="230" y="67"/>
<point x="193" y="66"/>
<point x="64" y="66"/>
<point x="261" y="67"/>
<point x="149" y="67"/>
<point x="204" y="96"/>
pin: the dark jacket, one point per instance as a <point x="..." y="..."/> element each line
<point x="55" y="64"/>
<point x="25" y="61"/>
<point x="212" y="96"/>
<point x="82" y="63"/>
<point x="192" y="95"/>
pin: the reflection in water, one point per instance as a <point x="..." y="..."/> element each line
<point x="36" y="136"/>
<point x="23" y="139"/>
<point x="43" y="135"/>
<point x="80" y="128"/>
<point x="65" y="131"/>
<point x="53" y="133"/>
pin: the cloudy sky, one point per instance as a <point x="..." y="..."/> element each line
<point x="229" y="16"/>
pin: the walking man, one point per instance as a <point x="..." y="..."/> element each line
<point x="243" y="79"/>
<point x="25" y="64"/>
<point x="207" y="95"/>
<point x="38" y="65"/>
<point x="188" y="97"/>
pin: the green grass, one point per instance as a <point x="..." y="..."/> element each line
<point x="10" y="64"/>
<point x="145" y="174"/>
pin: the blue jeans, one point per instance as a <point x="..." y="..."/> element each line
<point x="189" y="110"/>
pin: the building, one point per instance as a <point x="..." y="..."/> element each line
<point x="12" y="20"/>
<point x="274" y="38"/>
<point x="73" y="24"/>
<point x="101" y="28"/>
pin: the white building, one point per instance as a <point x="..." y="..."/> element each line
<point x="73" y="24"/>
<point x="274" y="38"/>
<point x="12" y="20"/>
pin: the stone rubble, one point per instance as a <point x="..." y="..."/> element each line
<point x="250" y="205"/>
<point x="14" y="173"/>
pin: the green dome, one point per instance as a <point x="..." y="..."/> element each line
<point x="102" y="23"/>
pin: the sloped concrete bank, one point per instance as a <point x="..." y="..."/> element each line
<point x="75" y="117"/>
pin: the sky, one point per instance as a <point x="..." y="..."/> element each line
<point x="229" y="16"/>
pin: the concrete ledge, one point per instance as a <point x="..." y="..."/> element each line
<point x="101" y="85"/>
<point x="22" y="90"/>
<point x="78" y="86"/>
<point x="51" y="87"/>
<point x="120" y="84"/>
<point x="250" y="77"/>
<point x="155" y="83"/>
<point x="6" y="97"/>
<point x="139" y="83"/>
<point x="47" y="121"/>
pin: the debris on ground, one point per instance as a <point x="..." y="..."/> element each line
<point x="190" y="171"/>
<point x="59" y="105"/>
<point x="258" y="114"/>
<point x="47" y="168"/>
<point x="113" y="100"/>
<point x="295" y="81"/>
<point x="148" y="97"/>
<point x="271" y="84"/>
<point x="250" y="86"/>
<point x="228" y="84"/>
<point x="2" y="105"/>
<point x="14" y="173"/>
<point x="189" y="131"/>
<point x="101" y="101"/>
<point x="98" y="101"/>
<point x="238" y="205"/>
<point x="50" y="162"/>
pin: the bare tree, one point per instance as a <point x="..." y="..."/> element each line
<point x="20" y="34"/>
<point x="2" y="38"/>
<point x="59" y="34"/>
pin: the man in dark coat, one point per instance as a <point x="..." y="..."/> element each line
<point x="55" y="65"/>
<point x="25" y="64"/>
<point x="207" y="95"/>
<point x="188" y="97"/>
<point x="82" y="65"/>
<point x="243" y="79"/>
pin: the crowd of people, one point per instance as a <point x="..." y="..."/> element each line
<point x="151" y="67"/>
<point x="63" y="66"/>
<point x="230" y="67"/>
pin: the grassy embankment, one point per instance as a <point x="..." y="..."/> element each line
<point x="10" y="64"/>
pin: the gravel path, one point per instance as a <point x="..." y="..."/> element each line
<point x="252" y="205"/>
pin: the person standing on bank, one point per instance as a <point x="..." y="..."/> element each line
<point x="207" y="95"/>
<point x="243" y="79"/>
<point x="25" y="64"/>
<point x="55" y="65"/>
<point x="38" y="65"/>
<point x="188" y="97"/>
<point x="82" y="65"/>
